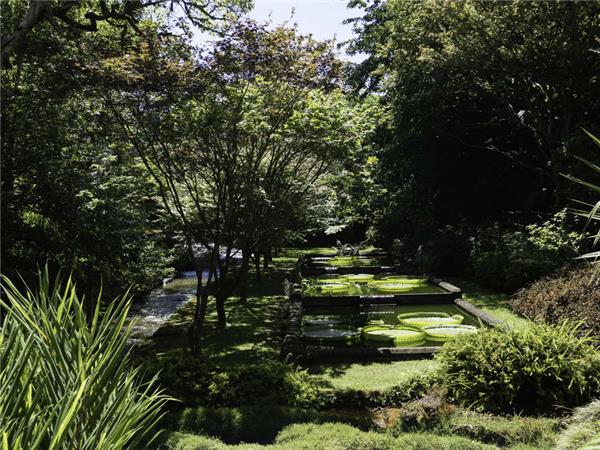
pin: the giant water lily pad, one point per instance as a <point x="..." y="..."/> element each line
<point x="336" y="280"/>
<point x="404" y="280"/>
<point x="348" y="261"/>
<point x="391" y="286"/>
<point x="398" y="336"/>
<point x="322" y="322"/>
<point x="334" y="287"/>
<point x="423" y="319"/>
<point x="359" y="278"/>
<point x="447" y="332"/>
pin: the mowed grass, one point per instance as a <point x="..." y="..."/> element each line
<point x="367" y="376"/>
<point x="491" y="302"/>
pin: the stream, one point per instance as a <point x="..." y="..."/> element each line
<point x="161" y="303"/>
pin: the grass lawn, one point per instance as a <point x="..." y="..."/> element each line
<point x="367" y="376"/>
<point x="491" y="302"/>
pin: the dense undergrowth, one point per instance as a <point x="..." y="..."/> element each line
<point x="571" y="294"/>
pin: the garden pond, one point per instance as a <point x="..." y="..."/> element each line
<point x="386" y="325"/>
<point x="368" y="284"/>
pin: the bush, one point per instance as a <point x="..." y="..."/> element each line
<point x="572" y="294"/>
<point x="533" y="370"/>
<point x="510" y="259"/>
<point x="259" y="424"/>
<point x="65" y="377"/>
<point x="196" y="381"/>
<point x="583" y="426"/>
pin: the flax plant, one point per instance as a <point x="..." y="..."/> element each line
<point x="591" y="211"/>
<point x="65" y="378"/>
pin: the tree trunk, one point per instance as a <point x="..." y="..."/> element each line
<point x="195" y="331"/>
<point x="244" y="276"/>
<point x="38" y="11"/>
<point x="267" y="257"/>
<point x="220" y="302"/>
<point x="257" y="266"/>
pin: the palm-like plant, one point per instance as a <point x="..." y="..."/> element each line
<point x="588" y="210"/>
<point x="65" y="379"/>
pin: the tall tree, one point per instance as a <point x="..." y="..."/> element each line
<point x="486" y="96"/>
<point x="234" y="139"/>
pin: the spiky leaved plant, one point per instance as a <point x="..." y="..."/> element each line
<point x="588" y="210"/>
<point x="65" y="379"/>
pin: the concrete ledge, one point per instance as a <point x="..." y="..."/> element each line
<point x="469" y="307"/>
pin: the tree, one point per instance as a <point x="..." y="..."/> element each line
<point x="486" y="97"/>
<point x="71" y="193"/>
<point x="21" y="18"/>
<point x="235" y="141"/>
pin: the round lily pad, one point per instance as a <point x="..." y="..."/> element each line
<point x="391" y="287"/>
<point x="336" y="280"/>
<point x="444" y="333"/>
<point x="397" y="336"/>
<point x="334" y="287"/>
<point x="359" y="278"/>
<point x="322" y="322"/>
<point x="404" y="280"/>
<point x="423" y="319"/>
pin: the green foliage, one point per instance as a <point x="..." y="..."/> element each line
<point x="539" y="432"/>
<point x="510" y="259"/>
<point x="72" y="192"/>
<point x="196" y="381"/>
<point x="592" y="214"/>
<point x="571" y="294"/>
<point x="65" y="377"/>
<point x="259" y="424"/>
<point x="582" y="428"/>
<point x="538" y="369"/>
<point x="332" y="436"/>
<point x="486" y="99"/>
<point x="448" y="253"/>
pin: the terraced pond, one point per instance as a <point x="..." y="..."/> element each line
<point x="348" y="326"/>
<point x="368" y="284"/>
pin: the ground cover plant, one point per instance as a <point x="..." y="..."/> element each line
<point x="582" y="429"/>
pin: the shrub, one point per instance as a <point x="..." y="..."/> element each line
<point x="65" y="379"/>
<point x="572" y="294"/>
<point x="583" y="426"/>
<point x="409" y="388"/>
<point x="532" y="370"/>
<point x="256" y="423"/>
<point x="332" y="436"/>
<point x="510" y="259"/>
<point x="196" y="381"/>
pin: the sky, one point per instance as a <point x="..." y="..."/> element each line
<point x="321" y="18"/>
